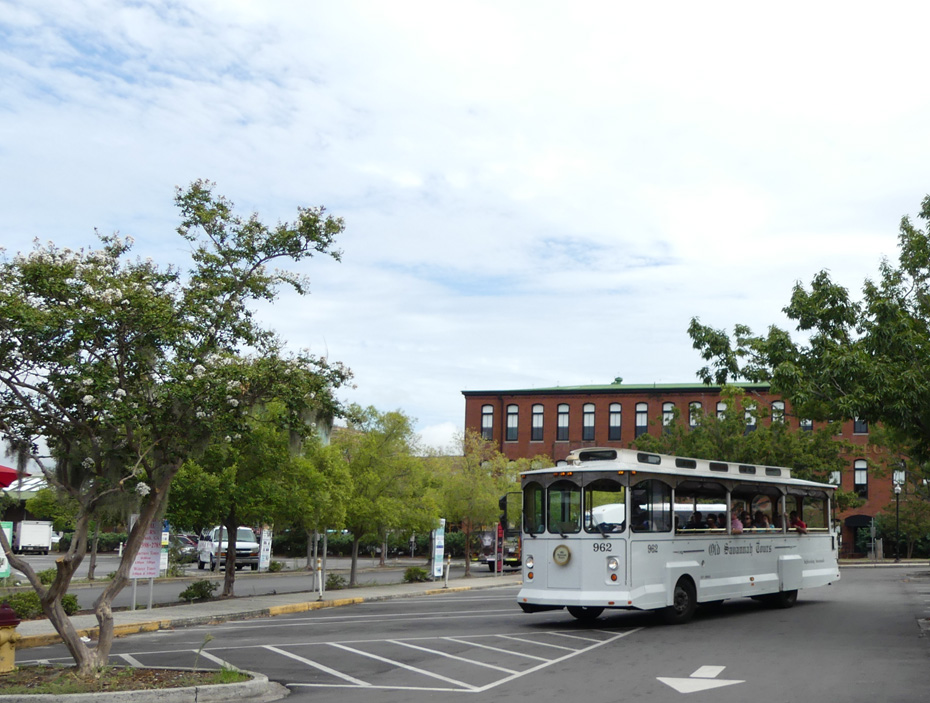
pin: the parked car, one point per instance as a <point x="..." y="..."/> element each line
<point x="211" y="549"/>
<point x="185" y="546"/>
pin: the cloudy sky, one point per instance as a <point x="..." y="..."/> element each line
<point x="535" y="193"/>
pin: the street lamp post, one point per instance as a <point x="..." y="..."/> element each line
<point x="897" y="522"/>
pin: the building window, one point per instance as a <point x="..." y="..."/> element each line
<point x="807" y="425"/>
<point x="668" y="416"/>
<point x="860" y="426"/>
<point x="615" y="421"/>
<point x="561" y="431"/>
<point x="835" y="478"/>
<point x="487" y="422"/>
<point x="750" y="416"/>
<point x="536" y="432"/>
<point x="694" y="414"/>
<point x="642" y="419"/>
<point x="861" y="478"/>
<point x="721" y="410"/>
<point x="778" y="411"/>
<point x="513" y="423"/>
<point x="587" y="422"/>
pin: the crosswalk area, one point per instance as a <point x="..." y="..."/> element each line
<point x="463" y="664"/>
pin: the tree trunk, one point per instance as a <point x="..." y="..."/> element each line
<point x="88" y="660"/>
<point x="382" y="560"/>
<point x="92" y="564"/>
<point x="353" y="570"/>
<point x="325" y="549"/>
<point x="232" y="528"/>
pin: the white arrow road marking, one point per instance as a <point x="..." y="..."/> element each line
<point x="704" y="679"/>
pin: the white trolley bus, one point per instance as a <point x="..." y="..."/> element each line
<point x="619" y="528"/>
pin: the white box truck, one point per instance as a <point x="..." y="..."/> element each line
<point x="32" y="536"/>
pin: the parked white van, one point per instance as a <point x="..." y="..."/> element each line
<point x="211" y="549"/>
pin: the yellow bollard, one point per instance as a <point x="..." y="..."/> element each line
<point x="8" y="638"/>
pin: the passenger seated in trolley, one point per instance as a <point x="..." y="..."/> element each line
<point x="711" y="522"/>
<point x="696" y="522"/>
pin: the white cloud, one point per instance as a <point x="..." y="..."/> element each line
<point x="509" y="173"/>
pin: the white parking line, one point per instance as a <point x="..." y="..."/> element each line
<point x="392" y="662"/>
<point x="216" y="660"/>
<point x="574" y="637"/>
<point x="541" y="644"/>
<point x="321" y="667"/>
<point x="131" y="660"/>
<point x="452" y="656"/>
<point x="496" y="649"/>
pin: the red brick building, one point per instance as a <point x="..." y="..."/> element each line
<point x="554" y="421"/>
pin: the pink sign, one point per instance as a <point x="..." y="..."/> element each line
<point x="148" y="560"/>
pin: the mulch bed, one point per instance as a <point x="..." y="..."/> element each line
<point x="42" y="679"/>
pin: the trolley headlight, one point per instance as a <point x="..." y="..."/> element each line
<point x="529" y="562"/>
<point x="613" y="564"/>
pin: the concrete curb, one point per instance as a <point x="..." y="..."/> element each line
<point x="29" y="641"/>
<point x="258" y="690"/>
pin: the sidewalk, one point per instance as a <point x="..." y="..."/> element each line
<point x="37" y="633"/>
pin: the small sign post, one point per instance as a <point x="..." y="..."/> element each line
<point x="439" y="545"/>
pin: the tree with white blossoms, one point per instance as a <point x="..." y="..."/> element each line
<point x="114" y="370"/>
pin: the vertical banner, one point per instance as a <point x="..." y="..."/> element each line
<point x="148" y="561"/>
<point x="439" y="546"/>
<point x="264" y="551"/>
<point x="5" y="569"/>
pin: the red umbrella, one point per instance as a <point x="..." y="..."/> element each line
<point x="7" y="476"/>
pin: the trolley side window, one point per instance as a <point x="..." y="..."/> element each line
<point x="564" y="507"/>
<point x="812" y="507"/>
<point x="534" y="518"/>
<point x="604" y="506"/>
<point x="651" y="506"/>
<point x="700" y="506"/>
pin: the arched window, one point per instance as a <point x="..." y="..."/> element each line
<point x="536" y="433"/>
<point x="694" y="413"/>
<point x="561" y="428"/>
<point x="778" y="411"/>
<point x="616" y="421"/>
<point x="513" y="423"/>
<point x="587" y="422"/>
<point x="487" y="422"/>
<point x="750" y="416"/>
<point x="642" y="419"/>
<point x="651" y="507"/>
<point x="668" y="416"/>
<point x="721" y="410"/>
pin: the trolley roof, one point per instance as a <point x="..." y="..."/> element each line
<point x="613" y="459"/>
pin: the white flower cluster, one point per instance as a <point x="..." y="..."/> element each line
<point x="143" y="489"/>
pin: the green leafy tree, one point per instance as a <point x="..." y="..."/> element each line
<point x="867" y="357"/>
<point x="125" y="370"/>
<point x="60" y="508"/>
<point x="390" y="487"/>
<point x="810" y="455"/>
<point x="473" y="482"/>
<point x="315" y="493"/>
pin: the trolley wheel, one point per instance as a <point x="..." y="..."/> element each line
<point x="684" y="603"/>
<point x="585" y="612"/>
<point x="782" y="599"/>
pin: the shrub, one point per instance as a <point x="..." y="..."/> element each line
<point x="198" y="590"/>
<point x="46" y="576"/>
<point x="275" y="566"/>
<point x="415" y="574"/>
<point x="26" y="605"/>
<point x="335" y="582"/>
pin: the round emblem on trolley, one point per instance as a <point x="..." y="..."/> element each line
<point x="561" y="555"/>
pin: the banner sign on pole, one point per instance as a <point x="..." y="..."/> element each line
<point x="264" y="551"/>
<point x="439" y="546"/>
<point x="5" y="569"/>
